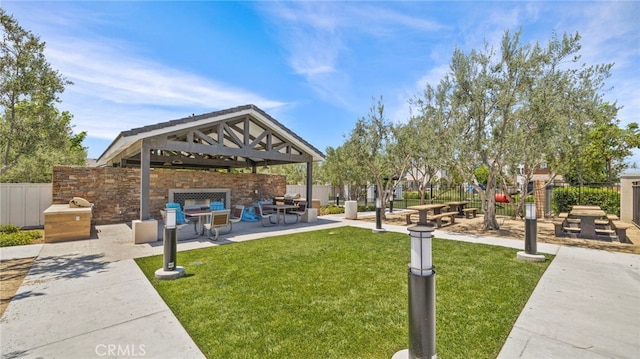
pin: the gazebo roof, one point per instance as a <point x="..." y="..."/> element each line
<point x="238" y="137"/>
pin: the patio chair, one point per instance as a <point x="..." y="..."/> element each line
<point x="219" y="219"/>
<point x="300" y="211"/>
<point x="191" y="219"/>
<point x="268" y="216"/>
<point x="236" y="215"/>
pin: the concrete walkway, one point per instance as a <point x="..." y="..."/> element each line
<point x="88" y="299"/>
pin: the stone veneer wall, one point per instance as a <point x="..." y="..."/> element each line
<point x="115" y="192"/>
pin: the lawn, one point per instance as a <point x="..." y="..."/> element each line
<point x="342" y="293"/>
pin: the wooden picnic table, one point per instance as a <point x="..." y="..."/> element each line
<point x="459" y="205"/>
<point x="424" y="208"/>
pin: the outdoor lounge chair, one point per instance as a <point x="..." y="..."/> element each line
<point x="268" y="216"/>
<point x="219" y="219"/>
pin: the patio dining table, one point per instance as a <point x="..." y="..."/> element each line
<point x="201" y="215"/>
<point x="280" y="209"/>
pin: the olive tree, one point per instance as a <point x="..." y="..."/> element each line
<point x="373" y="143"/>
<point x="425" y="140"/>
<point x="518" y="105"/>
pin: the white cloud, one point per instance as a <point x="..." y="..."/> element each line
<point x="115" y="88"/>
<point x="121" y="78"/>
<point x="317" y="35"/>
<point x="121" y="89"/>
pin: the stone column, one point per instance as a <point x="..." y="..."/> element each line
<point x="626" y="196"/>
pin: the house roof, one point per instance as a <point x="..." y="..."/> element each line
<point x="242" y="136"/>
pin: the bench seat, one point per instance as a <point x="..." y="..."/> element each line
<point x="558" y="223"/>
<point x="438" y="218"/>
<point x="621" y="230"/>
<point x="409" y="214"/>
<point x="470" y="212"/>
<point x="563" y="215"/>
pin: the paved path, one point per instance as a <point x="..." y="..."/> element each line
<point x="587" y="305"/>
<point x="88" y="299"/>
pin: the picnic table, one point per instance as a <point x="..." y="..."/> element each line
<point x="202" y="215"/>
<point x="424" y="208"/>
<point x="588" y="216"/>
<point x="459" y="206"/>
<point x="281" y="209"/>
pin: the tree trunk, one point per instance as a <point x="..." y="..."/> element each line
<point x="489" y="206"/>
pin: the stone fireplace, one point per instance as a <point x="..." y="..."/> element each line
<point x="200" y="196"/>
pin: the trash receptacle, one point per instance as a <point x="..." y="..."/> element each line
<point x="351" y="209"/>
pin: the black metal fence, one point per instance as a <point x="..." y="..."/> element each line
<point x="442" y="194"/>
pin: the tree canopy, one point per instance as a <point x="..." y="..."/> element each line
<point x="497" y="111"/>
<point x="373" y="144"/>
<point x="34" y="134"/>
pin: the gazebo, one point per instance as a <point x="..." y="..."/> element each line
<point x="239" y="137"/>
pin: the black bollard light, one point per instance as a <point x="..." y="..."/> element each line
<point x="338" y="200"/>
<point x="531" y="228"/>
<point x="170" y="269"/>
<point x="530" y="235"/>
<point x="170" y="241"/>
<point x="422" y="297"/>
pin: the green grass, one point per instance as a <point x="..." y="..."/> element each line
<point x="341" y="293"/>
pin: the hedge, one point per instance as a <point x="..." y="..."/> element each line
<point x="565" y="198"/>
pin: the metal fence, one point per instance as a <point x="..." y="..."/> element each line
<point x="22" y="204"/>
<point x="442" y="194"/>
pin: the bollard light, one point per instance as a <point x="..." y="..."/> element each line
<point x="530" y="233"/>
<point x="422" y="297"/>
<point x="530" y="210"/>
<point x="170" y="269"/>
<point x="421" y="261"/>
<point x="171" y="218"/>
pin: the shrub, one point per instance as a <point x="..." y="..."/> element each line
<point x="18" y="238"/>
<point x="411" y="195"/>
<point x="414" y="195"/>
<point x="9" y="228"/>
<point x="330" y="209"/>
<point x="565" y="198"/>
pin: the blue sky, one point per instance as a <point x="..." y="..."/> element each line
<point x="314" y="66"/>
